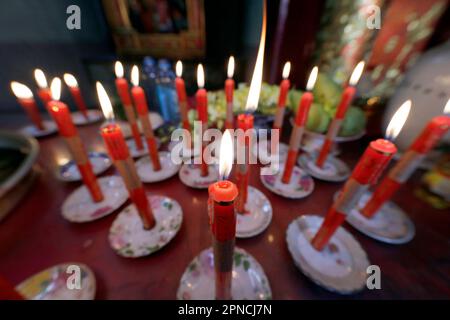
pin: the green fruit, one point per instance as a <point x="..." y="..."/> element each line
<point x="294" y="97"/>
<point x="354" y="122"/>
<point x="318" y="119"/>
<point x="326" y="91"/>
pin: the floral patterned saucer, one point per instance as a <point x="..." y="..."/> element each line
<point x="93" y="116"/>
<point x="190" y="175"/>
<point x="128" y="237"/>
<point x="257" y="217"/>
<point x="334" y="170"/>
<point x="390" y="224"/>
<point x="79" y="207"/>
<point x="249" y="280"/>
<point x="194" y="152"/>
<point x="69" y="171"/>
<point x="145" y="170"/>
<point x="134" y="152"/>
<point x="31" y="130"/>
<point x="59" y="283"/>
<point x="340" y="267"/>
<point x="300" y="186"/>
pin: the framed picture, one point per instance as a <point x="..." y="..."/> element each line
<point x="172" y="29"/>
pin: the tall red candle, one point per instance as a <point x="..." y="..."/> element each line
<point x="61" y="114"/>
<point x="25" y="98"/>
<point x="284" y="89"/>
<point x="118" y="150"/>
<point x="408" y="163"/>
<point x="202" y="113"/>
<point x="43" y="91"/>
<point x="140" y="102"/>
<point x="75" y="91"/>
<point x="182" y="96"/>
<point x="299" y="127"/>
<point x="245" y="123"/>
<point x="124" y="94"/>
<point x="335" y="126"/>
<point x="369" y="167"/>
<point x="229" y="91"/>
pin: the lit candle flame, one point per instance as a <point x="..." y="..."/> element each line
<point x="105" y="103"/>
<point x="447" y="108"/>
<point x="356" y="74"/>
<point x="179" y="68"/>
<point x="55" y="88"/>
<point x="40" y="78"/>
<point x="312" y="78"/>
<point x="226" y="155"/>
<point x="230" y="69"/>
<point x="135" y="76"/>
<point x="200" y="76"/>
<point x="70" y="80"/>
<point x="255" y="85"/>
<point x="118" y="69"/>
<point x="398" y="120"/>
<point x="21" y="91"/>
<point x="286" y="70"/>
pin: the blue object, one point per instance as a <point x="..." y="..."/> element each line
<point x="165" y="90"/>
<point x="148" y="82"/>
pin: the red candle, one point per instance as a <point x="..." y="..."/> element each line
<point x="182" y="96"/>
<point x="245" y="122"/>
<point x="25" y="98"/>
<point x="118" y="150"/>
<point x="223" y="221"/>
<point x="299" y="127"/>
<point x="408" y="163"/>
<point x="202" y="112"/>
<point x="335" y="126"/>
<point x="124" y="94"/>
<point x="284" y="89"/>
<point x="61" y="114"/>
<point x="140" y="102"/>
<point x="72" y="83"/>
<point x="229" y="91"/>
<point x="43" y="91"/>
<point x="369" y="167"/>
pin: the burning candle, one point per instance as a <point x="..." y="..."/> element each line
<point x="369" y="168"/>
<point x="182" y="96"/>
<point x="140" y="102"/>
<point x="118" y="150"/>
<point x="25" y="98"/>
<point x="299" y="126"/>
<point x="43" y="92"/>
<point x="229" y="90"/>
<point x="202" y="112"/>
<point x="408" y="163"/>
<point x="335" y="126"/>
<point x="284" y="89"/>
<point x="124" y="94"/>
<point x="245" y="121"/>
<point x="61" y="114"/>
<point x="72" y="83"/>
<point x="223" y="220"/>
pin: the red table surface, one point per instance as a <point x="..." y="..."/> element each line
<point x="35" y="236"/>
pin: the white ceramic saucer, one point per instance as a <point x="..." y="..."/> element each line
<point x="190" y="175"/>
<point x="93" y="116"/>
<point x="249" y="282"/>
<point x="340" y="267"/>
<point x="193" y="152"/>
<point x="333" y="169"/>
<point x="144" y="167"/>
<point x="134" y="152"/>
<point x="31" y="130"/>
<point x="257" y="217"/>
<point x="79" y="207"/>
<point x="128" y="237"/>
<point x="390" y="224"/>
<point x="300" y="186"/>
<point x="69" y="171"/>
<point x="53" y="283"/>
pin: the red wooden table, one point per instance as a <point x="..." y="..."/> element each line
<point x="35" y="236"/>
